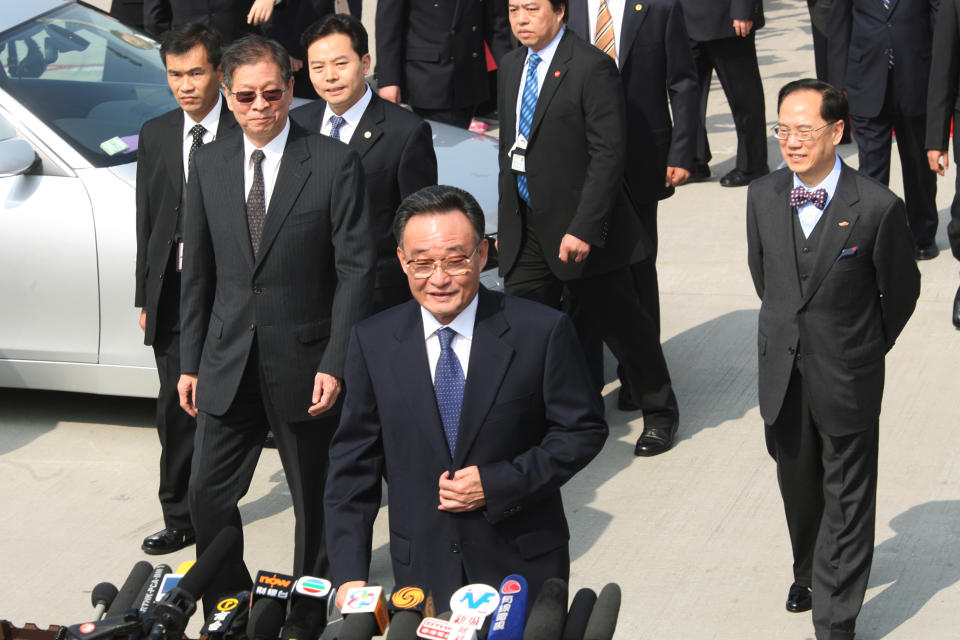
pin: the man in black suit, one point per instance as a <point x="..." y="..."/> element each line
<point x="880" y="55"/>
<point x="476" y="405"/>
<point x="943" y="102"/>
<point x="723" y="34"/>
<point x="191" y="55"/>
<point x="832" y="261"/>
<point x="652" y="49"/>
<point x="573" y="224"/>
<point x="270" y="291"/>
<point x="231" y="18"/>
<point x="395" y="145"/>
<point x="430" y="54"/>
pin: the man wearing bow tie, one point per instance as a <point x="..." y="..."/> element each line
<point x="831" y="257"/>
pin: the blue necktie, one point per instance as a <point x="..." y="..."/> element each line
<point x="527" y="106"/>
<point x="448" y="386"/>
<point x="335" y="123"/>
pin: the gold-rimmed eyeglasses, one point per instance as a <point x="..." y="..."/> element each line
<point x="802" y="134"/>
<point x="452" y="266"/>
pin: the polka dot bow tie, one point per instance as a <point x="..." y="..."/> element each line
<point x="800" y="196"/>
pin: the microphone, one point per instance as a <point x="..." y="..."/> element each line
<point x="364" y="613"/>
<point x="230" y="614"/>
<point x="270" y="584"/>
<point x="579" y="613"/>
<point x="548" y="613"/>
<point x="440" y="629"/>
<point x="101" y="598"/>
<point x="130" y="588"/>
<point x="308" y="608"/>
<point x="266" y="618"/>
<point x="603" y="619"/>
<point x="172" y="612"/>
<point x="407" y="607"/>
<point x="511" y="615"/>
<point x="472" y="603"/>
<point x="150" y="591"/>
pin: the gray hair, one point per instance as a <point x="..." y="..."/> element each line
<point x="251" y="49"/>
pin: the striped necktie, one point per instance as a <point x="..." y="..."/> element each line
<point x="886" y="7"/>
<point x="604" y="36"/>
<point x="527" y="106"/>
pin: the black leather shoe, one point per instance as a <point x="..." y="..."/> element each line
<point x="799" y="599"/>
<point x="700" y="173"/>
<point x="956" y="309"/>
<point x="655" y="440"/>
<point x="168" y="541"/>
<point x="625" y="401"/>
<point x="928" y="252"/>
<point x="737" y="178"/>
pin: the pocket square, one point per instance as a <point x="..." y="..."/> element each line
<point x="850" y="252"/>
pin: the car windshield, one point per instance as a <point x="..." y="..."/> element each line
<point x="87" y="76"/>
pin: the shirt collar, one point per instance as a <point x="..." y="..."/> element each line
<point x="462" y="324"/>
<point x="354" y="113"/>
<point x="546" y="54"/>
<point x="210" y="121"/>
<point x="273" y="148"/>
<point x="829" y="183"/>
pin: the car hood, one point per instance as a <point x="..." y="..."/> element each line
<point x="126" y="172"/>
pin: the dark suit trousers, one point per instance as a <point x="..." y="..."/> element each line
<point x="456" y="117"/>
<point x="820" y="26"/>
<point x="829" y="489"/>
<point x="610" y="306"/>
<point x="874" y="136"/>
<point x="227" y="450"/>
<point x="953" y="227"/>
<point x="735" y="60"/>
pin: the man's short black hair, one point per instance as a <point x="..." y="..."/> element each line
<point x="251" y="49"/>
<point x="434" y="200"/>
<point x="185" y="37"/>
<point x="556" y="4"/>
<point x="834" y="106"/>
<point x="337" y="23"/>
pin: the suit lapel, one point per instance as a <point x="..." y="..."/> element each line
<point x="512" y="70"/>
<point x="893" y="7"/>
<point x="173" y="153"/>
<point x="555" y="75"/>
<point x="369" y="129"/>
<point x="291" y="176"/>
<point x="782" y="236"/>
<point x="833" y="236"/>
<point x="489" y="358"/>
<point x="579" y="21"/>
<point x="633" y="17"/>
<point x="411" y="373"/>
<point x="234" y="198"/>
<point x="227" y="123"/>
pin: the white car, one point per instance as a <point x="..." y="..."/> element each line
<point x="75" y="87"/>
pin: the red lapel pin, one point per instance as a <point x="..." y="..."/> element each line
<point x="843" y="224"/>
<point x="556" y="74"/>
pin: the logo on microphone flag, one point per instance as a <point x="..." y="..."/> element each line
<point x="314" y="587"/>
<point x="407" y="597"/>
<point x="475" y="598"/>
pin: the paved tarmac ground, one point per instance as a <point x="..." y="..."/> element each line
<point x="696" y="537"/>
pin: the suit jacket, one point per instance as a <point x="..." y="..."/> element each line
<point x="853" y="309"/>
<point x="310" y="282"/>
<point x="159" y="196"/>
<point x="861" y="32"/>
<point x="529" y="422"/>
<point x="434" y="50"/>
<point x="396" y="149"/>
<point x="658" y="73"/>
<point x="228" y="17"/>
<point x="580" y="117"/>
<point x="942" y="98"/>
<point x="713" y="19"/>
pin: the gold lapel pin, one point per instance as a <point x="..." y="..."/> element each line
<point x="367" y="134"/>
<point x="638" y="7"/>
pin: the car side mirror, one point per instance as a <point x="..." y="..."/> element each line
<point x="16" y="157"/>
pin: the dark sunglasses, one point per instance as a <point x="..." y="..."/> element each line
<point x="246" y="97"/>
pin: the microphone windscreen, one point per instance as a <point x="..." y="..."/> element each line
<point x="130" y="588"/>
<point x="548" y="613"/>
<point x="266" y="619"/>
<point x="403" y="625"/>
<point x="103" y="594"/>
<point x="151" y="588"/>
<point x="358" y="626"/>
<point x="202" y="572"/>
<point x="579" y="614"/>
<point x="603" y="619"/>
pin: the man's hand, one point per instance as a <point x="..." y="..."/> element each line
<point x="295" y="64"/>
<point x="346" y="586"/>
<point x="462" y="493"/>
<point x="743" y="27"/>
<point x="260" y="12"/>
<point x="676" y="176"/>
<point x="938" y="160"/>
<point x="573" y="248"/>
<point x="326" y="388"/>
<point x="187" y="388"/>
<point x="390" y="93"/>
<point x="143" y="317"/>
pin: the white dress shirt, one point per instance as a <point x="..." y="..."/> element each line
<point x="210" y="122"/>
<point x="272" y="153"/>
<point x="351" y="117"/>
<point x="546" y="57"/>
<point x="615" y="7"/>
<point x="809" y="213"/>
<point x="462" y="325"/>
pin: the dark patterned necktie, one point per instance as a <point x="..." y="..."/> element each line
<point x="256" y="202"/>
<point x="335" y="123"/>
<point x="800" y="196"/>
<point x="197" y="132"/>
<point x="886" y="7"/>
<point x="448" y="384"/>
<point x="528" y="104"/>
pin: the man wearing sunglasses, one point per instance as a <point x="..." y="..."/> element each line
<point x="831" y="257"/>
<point x="477" y="406"/>
<point x="278" y="266"/>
